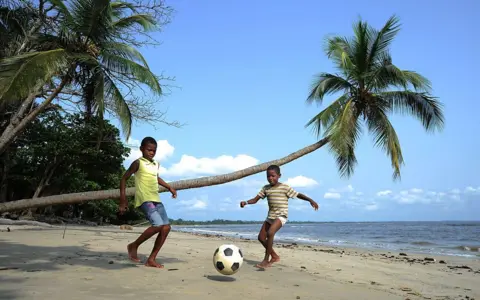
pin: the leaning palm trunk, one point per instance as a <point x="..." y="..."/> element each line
<point x="17" y="125"/>
<point x="178" y="185"/>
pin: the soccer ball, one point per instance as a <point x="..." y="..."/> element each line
<point x="227" y="259"/>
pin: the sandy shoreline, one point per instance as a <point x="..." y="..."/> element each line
<point x="91" y="263"/>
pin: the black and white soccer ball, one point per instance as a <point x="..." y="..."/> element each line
<point x="227" y="259"/>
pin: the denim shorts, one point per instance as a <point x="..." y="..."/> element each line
<point x="155" y="213"/>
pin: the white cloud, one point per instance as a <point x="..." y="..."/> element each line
<point x="359" y="193"/>
<point x="472" y="190"/>
<point x="189" y="165"/>
<point x="193" y="204"/>
<point x="371" y="207"/>
<point x="349" y="188"/>
<point x="417" y="191"/>
<point x="384" y="193"/>
<point x="330" y="195"/>
<point x="164" y="150"/>
<point x="301" y="181"/>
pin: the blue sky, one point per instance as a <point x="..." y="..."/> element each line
<point x="243" y="70"/>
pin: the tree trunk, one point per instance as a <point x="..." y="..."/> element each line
<point x="47" y="175"/>
<point x="14" y="129"/>
<point x="178" y="185"/>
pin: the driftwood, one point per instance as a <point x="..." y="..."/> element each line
<point x="23" y="222"/>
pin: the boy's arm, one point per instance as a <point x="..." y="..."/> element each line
<point x="251" y="201"/>
<point x="123" y="182"/>
<point x="306" y="198"/>
<point x="167" y="186"/>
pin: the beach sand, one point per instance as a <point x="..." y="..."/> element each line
<point x="91" y="263"/>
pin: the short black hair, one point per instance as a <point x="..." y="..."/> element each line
<point x="274" y="168"/>
<point x="148" y="140"/>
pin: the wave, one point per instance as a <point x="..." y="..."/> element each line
<point x="467" y="248"/>
<point x="423" y="243"/>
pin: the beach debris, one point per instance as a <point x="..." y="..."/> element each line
<point x="339" y="269"/>
<point x="8" y="268"/>
<point x="126" y="227"/>
<point x="298" y="297"/>
<point x="174" y="270"/>
<point x="429" y="259"/>
<point x="442" y="261"/>
<point x="460" y="267"/>
<point x="110" y="262"/>
<point x="405" y="289"/>
<point x="402" y="254"/>
<point x="303" y="267"/>
<point x="8" y="229"/>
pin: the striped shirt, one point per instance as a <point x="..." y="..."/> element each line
<point x="277" y="197"/>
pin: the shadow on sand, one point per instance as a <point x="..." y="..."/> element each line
<point x="221" y="278"/>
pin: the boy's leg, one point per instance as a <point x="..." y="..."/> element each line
<point x="162" y="220"/>
<point x="262" y="238"/>
<point x="150" y="211"/>
<point x="274" y="227"/>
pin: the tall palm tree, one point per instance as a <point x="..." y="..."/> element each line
<point x="371" y="88"/>
<point x="86" y="49"/>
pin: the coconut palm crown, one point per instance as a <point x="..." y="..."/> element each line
<point x="371" y="88"/>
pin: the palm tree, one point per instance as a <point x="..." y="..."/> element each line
<point x="371" y="87"/>
<point x="86" y="49"/>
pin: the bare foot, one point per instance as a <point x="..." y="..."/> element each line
<point x="132" y="252"/>
<point x="152" y="263"/>
<point x="274" y="260"/>
<point x="264" y="264"/>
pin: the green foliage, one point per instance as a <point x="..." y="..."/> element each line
<point x="371" y="88"/>
<point x="64" y="153"/>
<point x="82" y="42"/>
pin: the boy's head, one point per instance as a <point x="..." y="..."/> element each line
<point x="273" y="174"/>
<point x="148" y="148"/>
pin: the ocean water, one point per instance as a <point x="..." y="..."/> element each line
<point x="443" y="238"/>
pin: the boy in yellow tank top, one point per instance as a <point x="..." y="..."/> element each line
<point x="147" y="199"/>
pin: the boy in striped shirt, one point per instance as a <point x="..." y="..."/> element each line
<point x="277" y="195"/>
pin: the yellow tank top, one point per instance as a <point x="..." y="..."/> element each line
<point x="146" y="182"/>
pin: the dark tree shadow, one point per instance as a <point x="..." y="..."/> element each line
<point x="30" y="258"/>
<point x="221" y="278"/>
<point x="5" y="291"/>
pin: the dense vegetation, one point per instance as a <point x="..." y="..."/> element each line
<point x="64" y="67"/>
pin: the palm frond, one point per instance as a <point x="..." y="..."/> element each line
<point x="427" y="109"/>
<point x="21" y="75"/>
<point x="146" y="21"/>
<point x="382" y="39"/>
<point x="62" y="9"/>
<point x="386" y="138"/>
<point x="343" y="135"/>
<point x="327" y="116"/>
<point x="116" y="101"/>
<point x="340" y="50"/>
<point x="384" y="75"/>
<point x="419" y="82"/>
<point x="92" y="19"/>
<point x="99" y="94"/>
<point x="327" y="84"/>
<point x="125" y="51"/>
<point x="126" y="67"/>
<point x="361" y="42"/>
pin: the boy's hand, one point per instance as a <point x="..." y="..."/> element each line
<point x="242" y="204"/>
<point x="174" y="193"/>
<point x="314" y="204"/>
